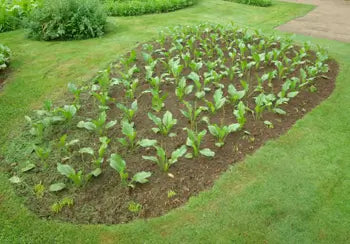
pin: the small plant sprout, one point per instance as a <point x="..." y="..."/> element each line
<point x="163" y="125"/>
<point x="130" y="134"/>
<point x="65" y="202"/>
<point x="233" y="95"/>
<point x="268" y="124"/>
<point x="182" y="89"/>
<point x="221" y="132"/>
<point x="218" y="101"/>
<point x="134" y="207"/>
<point x="119" y="164"/>
<point x="99" y="125"/>
<point x="128" y="113"/>
<point x="39" y="190"/>
<point x="192" y="112"/>
<point x="69" y="172"/>
<point x="239" y="113"/>
<point x="67" y="112"/>
<point x="43" y="154"/>
<point x="63" y="145"/>
<point x="194" y="140"/>
<point x="72" y="88"/>
<point x="175" y="68"/>
<point x="171" y="194"/>
<point x="158" y="100"/>
<point x="196" y="80"/>
<point x="262" y="102"/>
<point x="162" y="160"/>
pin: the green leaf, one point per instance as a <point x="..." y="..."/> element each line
<point x="28" y="167"/>
<point x="117" y="162"/>
<point x="96" y="172"/>
<point x="141" y="177"/>
<point x="279" y="111"/>
<point x="15" y="180"/>
<point x="207" y="152"/>
<point x="57" y="187"/>
<point x="87" y="125"/>
<point x="87" y="150"/>
<point x="178" y="153"/>
<point x="151" y="158"/>
<point x="147" y="143"/>
<point x="65" y="170"/>
<point x="111" y="124"/>
<point x="234" y="127"/>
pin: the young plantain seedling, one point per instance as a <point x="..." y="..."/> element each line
<point x="194" y="140"/>
<point x="130" y="133"/>
<point x="192" y="113"/>
<point x="165" y="124"/>
<point x="182" y="89"/>
<point x="119" y="164"/>
<point x="99" y="125"/>
<point x="221" y="132"/>
<point x="157" y="100"/>
<point x="162" y="160"/>
<point x="128" y="112"/>
<point x="69" y="172"/>
<point x="239" y="113"/>
<point x="234" y="95"/>
<point x="219" y="101"/>
<point x="196" y="79"/>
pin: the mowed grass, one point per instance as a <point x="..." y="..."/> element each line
<point x="295" y="189"/>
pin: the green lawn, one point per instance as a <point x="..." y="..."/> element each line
<point x="295" y="189"/>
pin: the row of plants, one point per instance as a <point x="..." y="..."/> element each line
<point x="139" y="7"/>
<point x="260" y="3"/>
<point x="162" y="103"/>
<point x="5" y="56"/>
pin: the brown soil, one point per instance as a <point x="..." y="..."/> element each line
<point x="104" y="200"/>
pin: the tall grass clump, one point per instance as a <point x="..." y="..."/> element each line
<point x="67" y="20"/>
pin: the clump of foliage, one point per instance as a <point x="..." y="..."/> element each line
<point x="5" y="56"/>
<point x="12" y="12"/>
<point x="67" y="20"/>
<point x="139" y="7"/>
<point x="260" y="3"/>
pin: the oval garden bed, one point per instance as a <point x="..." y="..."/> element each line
<point x="164" y="122"/>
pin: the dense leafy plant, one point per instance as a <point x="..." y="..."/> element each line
<point x="67" y="20"/>
<point x="5" y="56"/>
<point x="139" y="7"/>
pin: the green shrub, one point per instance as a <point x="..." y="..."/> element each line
<point x="5" y="56"/>
<point x="139" y="7"/>
<point x="13" y="11"/>
<point x="67" y="20"/>
<point x="261" y="3"/>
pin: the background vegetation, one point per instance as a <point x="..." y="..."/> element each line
<point x="139" y="7"/>
<point x="67" y="20"/>
<point x="261" y="3"/>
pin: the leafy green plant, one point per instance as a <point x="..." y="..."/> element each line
<point x="119" y="164"/>
<point x="98" y="125"/>
<point x="5" y="57"/>
<point x="39" y="190"/>
<point x="182" y="89"/>
<point x="162" y="160"/>
<point x="134" y="207"/>
<point x="65" y="202"/>
<point x="69" y="172"/>
<point x="239" y="113"/>
<point x="221" y="132"/>
<point x="130" y="134"/>
<point x="163" y="125"/>
<point x="192" y="112"/>
<point x="233" y="95"/>
<point x="218" y="101"/>
<point x="194" y="140"/>
<point x="67" y="20"/>
<point x="129" y="113"/>
<point x="158" y="100"/>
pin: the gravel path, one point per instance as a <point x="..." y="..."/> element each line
<point x="330" y="19"/>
